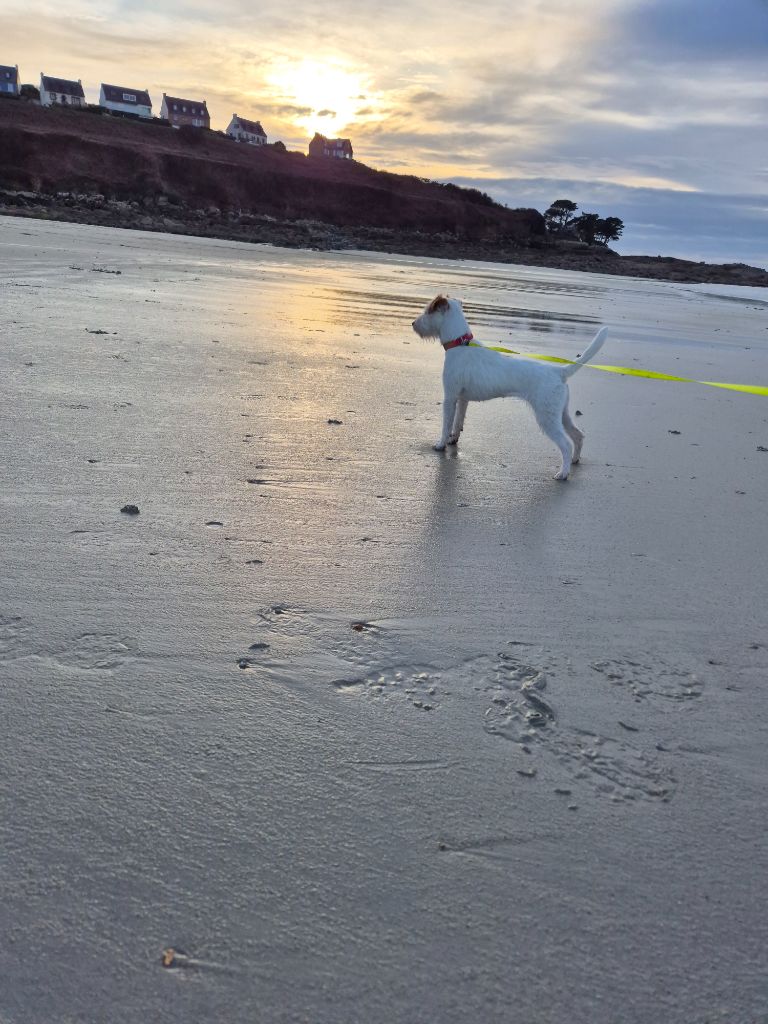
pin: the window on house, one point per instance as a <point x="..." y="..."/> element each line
<point x="129" y="97"/>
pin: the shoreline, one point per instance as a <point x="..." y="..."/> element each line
<point x="163" y="217"/>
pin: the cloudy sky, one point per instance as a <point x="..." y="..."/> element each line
<point x="655" y="111"/>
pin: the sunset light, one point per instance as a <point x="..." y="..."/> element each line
<point x="326" y="96"/>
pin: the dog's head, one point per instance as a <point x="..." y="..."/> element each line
<point x="443" y="319"/>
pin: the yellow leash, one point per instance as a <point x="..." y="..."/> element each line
<point x="627" y="371"/>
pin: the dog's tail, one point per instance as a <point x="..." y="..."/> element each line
<point x="592" y="349"/>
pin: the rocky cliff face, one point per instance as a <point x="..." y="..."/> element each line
<point x="48" y="151"/>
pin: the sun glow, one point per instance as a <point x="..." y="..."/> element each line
<point x="327" y="97"/>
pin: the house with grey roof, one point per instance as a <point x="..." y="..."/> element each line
<point x="336" y="149"/>
<point x="9" y="80"/>
<point x="185" y="112"/>
<point x="134" y="102"/>
<point x="61" y="92"/>
<point x="247" y="131"/>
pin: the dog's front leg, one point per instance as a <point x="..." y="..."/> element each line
<point x="449" y="411"/>
<point x="458" y="420"/>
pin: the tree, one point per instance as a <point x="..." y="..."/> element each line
<point x="586" y="227"/>
<point x="560" y="214"/>
<point x="608" y="229"/>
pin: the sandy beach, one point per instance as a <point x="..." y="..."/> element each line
<point x="364" y="733"/>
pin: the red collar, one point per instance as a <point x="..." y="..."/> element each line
<point x="463" y="340"/>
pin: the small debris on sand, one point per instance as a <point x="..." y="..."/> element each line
<point x="130" y="510"/>
<point x="673" y="431"/>
<point x="336" y="423"/>
<point x="177" y="958"/>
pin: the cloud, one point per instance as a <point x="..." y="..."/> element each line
<point x="691" y="225"/>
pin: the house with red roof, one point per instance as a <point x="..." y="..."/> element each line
<point x="61" y="92"/>
<point x="183" y="112"/>
<point x="247" y="131"/>
<point x="338" y="149"/>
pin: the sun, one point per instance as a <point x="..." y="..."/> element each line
<point x="327" y="95"/>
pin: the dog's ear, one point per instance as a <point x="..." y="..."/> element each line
<point x="438" y="304"/>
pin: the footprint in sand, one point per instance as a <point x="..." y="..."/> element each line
<point x="423" y="689"/>
<point x="651" y="680"/>
<point x="96" y="652"/>
<point x="359" y="657"/>
<point x="14" y="633"/>
<point x="612" y="767"/>
<point x="367" y="663"/>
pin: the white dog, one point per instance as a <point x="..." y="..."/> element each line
<point x="475" y="374"/>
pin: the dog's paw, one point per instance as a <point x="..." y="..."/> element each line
<point x="453" y="439"/>
<point x="439" y="446"/>
<point x="562" y="475"/>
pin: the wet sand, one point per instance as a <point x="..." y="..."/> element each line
<point x="363" y="732"/>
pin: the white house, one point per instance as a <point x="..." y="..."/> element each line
<point x="125" y="101"/>
<point x="61" y="92"/>
<point x="9" y="80"/>
<point x="247" y="131"/>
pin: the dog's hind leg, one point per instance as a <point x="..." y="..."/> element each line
<point x="576" y="435"/>
<point x="458" y="421"/>
<point x="449" y="411"/>
<point x="549" y="416"/>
